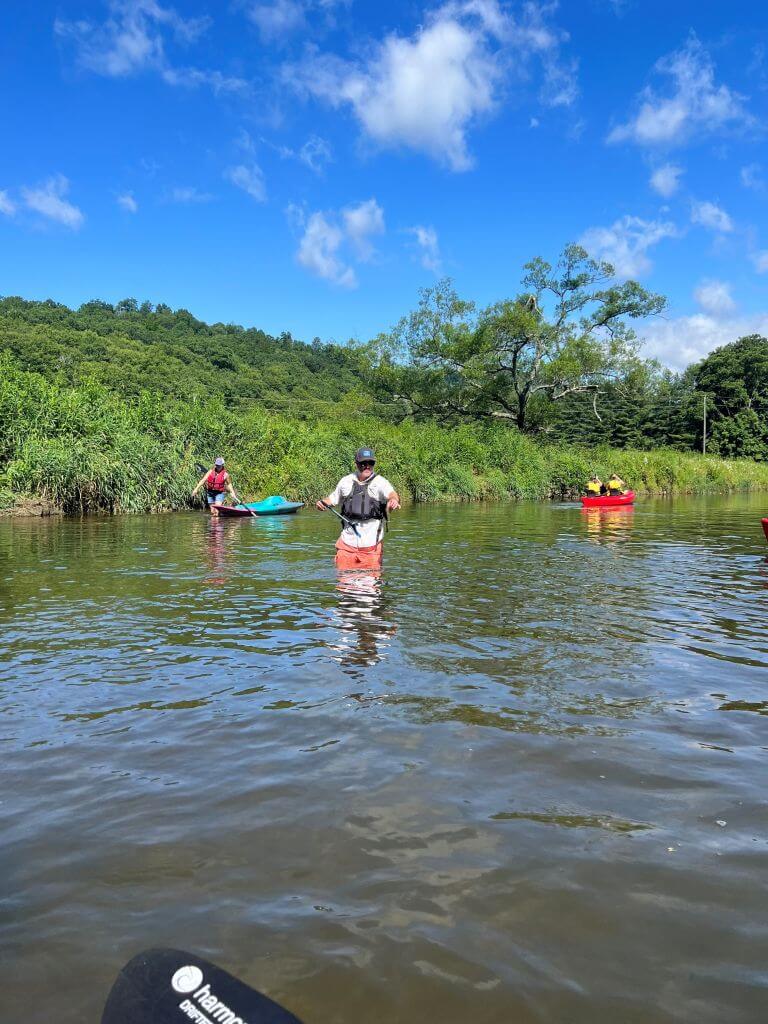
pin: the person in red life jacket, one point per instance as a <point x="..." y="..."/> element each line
<point x="217" y="486"/>
<point x="365" y="499"/>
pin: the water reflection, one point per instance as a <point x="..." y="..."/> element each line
<point x="361" y="613"/>
<point x="553" y="746"/>
<point x="273" y="525"/>
<point x="608" y="525"/>
<point x="217" y="538"/>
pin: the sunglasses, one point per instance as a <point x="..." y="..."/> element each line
<point x="366" y="465"/>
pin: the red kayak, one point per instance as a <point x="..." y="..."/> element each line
<point x="606" y="500"/>
<point x="765" y="528"/>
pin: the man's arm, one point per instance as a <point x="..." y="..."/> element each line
<point x="386" y="492"/>
<point x="333" y="499"/>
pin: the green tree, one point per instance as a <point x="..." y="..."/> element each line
<point x="735" y="380"/>
<point x="566" y="334"/>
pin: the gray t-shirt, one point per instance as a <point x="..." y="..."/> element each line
<point x="367" y="533"/>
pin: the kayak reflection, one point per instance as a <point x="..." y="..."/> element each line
<point x="362" y="619"/>
<point x="609" y="525"/>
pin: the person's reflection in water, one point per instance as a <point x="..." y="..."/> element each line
<point x="362" y="619"/>
<point x="216" y="551"/>
<point x="608" y="525"/>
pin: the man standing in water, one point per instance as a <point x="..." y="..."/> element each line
<point x="365" y="499"/>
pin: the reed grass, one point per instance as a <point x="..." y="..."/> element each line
<point x="87" y="450"/>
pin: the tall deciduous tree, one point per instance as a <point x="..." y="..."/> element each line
<point x="735" y="378"/>
<point x="567" y="333"/>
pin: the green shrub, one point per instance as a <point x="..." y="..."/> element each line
<point x="88" y="450"/>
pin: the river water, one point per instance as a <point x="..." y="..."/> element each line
<point x="520" y="777"/>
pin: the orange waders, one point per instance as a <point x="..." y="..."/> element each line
<point x="348" y="557"/>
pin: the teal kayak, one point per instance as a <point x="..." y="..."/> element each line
<point x="274" y="505"/>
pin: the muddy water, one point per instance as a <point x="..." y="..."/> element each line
<point x="520" y="777"/>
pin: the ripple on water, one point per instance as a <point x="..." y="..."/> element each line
<point x="515" y="777"/>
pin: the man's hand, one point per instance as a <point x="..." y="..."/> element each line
<point x="321" y="505"/>
<point x="393" y="503"/>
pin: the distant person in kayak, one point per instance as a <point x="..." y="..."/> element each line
<point x="217" y="486"/>
<point x="616" y="485"/>
<point x="595" y="487"/>
<point x="365" y="499"/>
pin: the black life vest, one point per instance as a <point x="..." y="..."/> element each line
<point x="359" y="506"/>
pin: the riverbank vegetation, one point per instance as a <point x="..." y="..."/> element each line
<point x="85" y="449"/>
<point x="113" y="408"/>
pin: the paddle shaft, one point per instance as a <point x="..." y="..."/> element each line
<point x="347" y="522"/>
<point x="249" y="509"/>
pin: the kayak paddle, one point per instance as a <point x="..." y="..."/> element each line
<point x="169" y="986"/>
<point x="347" y="522"/>
<point x="240" y="502"/>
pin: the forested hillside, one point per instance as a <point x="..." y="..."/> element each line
<point x="131" y="349"/>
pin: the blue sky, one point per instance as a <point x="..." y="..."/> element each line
<point x="308" y="165"/>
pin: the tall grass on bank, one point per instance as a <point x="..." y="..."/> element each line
<point x="87" y="450"/>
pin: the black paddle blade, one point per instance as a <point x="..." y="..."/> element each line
<point x="168" y="986"/>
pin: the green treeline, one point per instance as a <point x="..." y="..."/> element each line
<point x="133" y="349"/>
<point x="111" y="408"/>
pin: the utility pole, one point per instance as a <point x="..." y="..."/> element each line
<point x="704" y="435"/>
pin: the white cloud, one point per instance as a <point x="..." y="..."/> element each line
<point x="48" y="200"/>
<point x="360" y="222"/>
<point x="751" y="177"/>
<point x="687" y="339"/>
<point x="131" y="39"/>
<point x="429" y="247"/>
<point x="711" y="216"/>
<point x="127" y="201"/>
<point x="314" y="153"/>
<point x="7" y="205"/>
<point x="561" y="85"/>
<point x="325" y="236"/>
<point x="421" y="94"/>
<point x="191" y="78"/>
<point x="626" y="242"/>
<point x="134" y="39"/>
<point x="760" y="260"/>
<point x="696" y="105"/>
<point x="715" y="297"/>
<point x="424" y="91"/>
<point x="249" y="179"/>
<point x="189" y="194"/>
<point x="318" y="251"/>
<point x="666" y="180"/>
<point x="275" y="20"/>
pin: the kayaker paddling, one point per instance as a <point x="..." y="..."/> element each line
<point x="616" y="485"/>
<point x="595" y="486"/>
<point x="217" y="486"/>
<point x="365" y="498"/>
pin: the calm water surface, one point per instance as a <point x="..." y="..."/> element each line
<point x="519" y="778"/>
